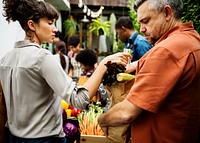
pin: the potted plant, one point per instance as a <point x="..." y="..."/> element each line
<point x="101" y="30"/>
<point x="70" y="26"/>
<point x="98" y="27"/>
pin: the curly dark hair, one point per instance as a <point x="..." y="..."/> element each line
<point x="87" y="57"/>
<point x="24" y="10"/>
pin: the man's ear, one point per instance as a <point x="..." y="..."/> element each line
<point x="31" y="25"/>
<point x="168" y="12"/>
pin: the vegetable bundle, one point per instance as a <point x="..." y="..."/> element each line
<point x="113" y="69"/>
<point x="115" y="73"/>
<point x="88" y="120"/>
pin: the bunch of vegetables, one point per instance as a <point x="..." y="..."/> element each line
<point x="70" y="110"/>
<point x="88" y="120"/>
<point x="115" y="73"/>
<point x="113" y="69"/>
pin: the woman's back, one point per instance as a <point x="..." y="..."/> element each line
<point x="25" y="85"/>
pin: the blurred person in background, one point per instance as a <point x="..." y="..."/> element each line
<point x="87" y="58"/>
<point x="60" y="49"/>
<point x="74" y="48"/>
<point x="133" y="40"/>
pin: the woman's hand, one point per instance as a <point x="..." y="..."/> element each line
<point x="119" y="58"/>
<point x="92" y="84"/>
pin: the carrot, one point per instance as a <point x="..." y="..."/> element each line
<point x="88" y="121"/>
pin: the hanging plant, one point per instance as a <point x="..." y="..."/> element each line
<point x="70" y="26"/>
<point x="133" y="15"/>
<point x="99" y="27"/>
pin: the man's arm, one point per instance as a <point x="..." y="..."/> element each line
<point x="121" y="113"/>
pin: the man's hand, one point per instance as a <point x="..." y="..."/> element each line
<point x="131" y="67"/>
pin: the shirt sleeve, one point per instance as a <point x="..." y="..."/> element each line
<point x="67" y="64"/>
<point x="62" y="84"/>
<point x="157" y="74"/>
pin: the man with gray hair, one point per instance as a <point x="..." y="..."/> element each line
<point x="163" y="105"/>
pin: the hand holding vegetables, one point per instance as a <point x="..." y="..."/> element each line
<point x="115" y="73"/>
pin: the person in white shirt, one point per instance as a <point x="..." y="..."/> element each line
<point x="75" y="47"/>
<point x="60" y="49"/>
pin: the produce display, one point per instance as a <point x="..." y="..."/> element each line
<point x="88" y="120"/>
<point x="85" y="122"/>
<point x="76" y="122"/>
<point x="70" y="111"/>
<point x="70" y="130"/>
<point x="70" y="122"/>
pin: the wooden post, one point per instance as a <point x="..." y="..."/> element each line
<point x="81" y="33"/>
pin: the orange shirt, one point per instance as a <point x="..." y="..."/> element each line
<point x="167" y="87"/>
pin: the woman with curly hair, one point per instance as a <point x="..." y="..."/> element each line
<point x="87" y="58"/>
<point x="33" y="81"/>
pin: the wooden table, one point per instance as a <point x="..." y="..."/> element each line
<point x="95" y="139"/>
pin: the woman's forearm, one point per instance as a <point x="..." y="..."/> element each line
<point x="94" y="81"/>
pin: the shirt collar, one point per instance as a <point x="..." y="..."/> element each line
<point x="177" y="29"/>
<point x="130" y="40"/>
<point x="25" y="43"/>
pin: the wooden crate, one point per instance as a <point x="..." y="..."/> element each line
<point x="95" y="139"/>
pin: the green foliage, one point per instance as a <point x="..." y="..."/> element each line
<point x="97" y="25"/>
<point x="70" y="26"/>
<point x="191" y="12"/>
<point x="133" y="15"/>
<point x="119" y="46"/>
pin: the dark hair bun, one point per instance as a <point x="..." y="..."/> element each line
<point x="24" y="10"/>
<point x="15" y="9"/>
